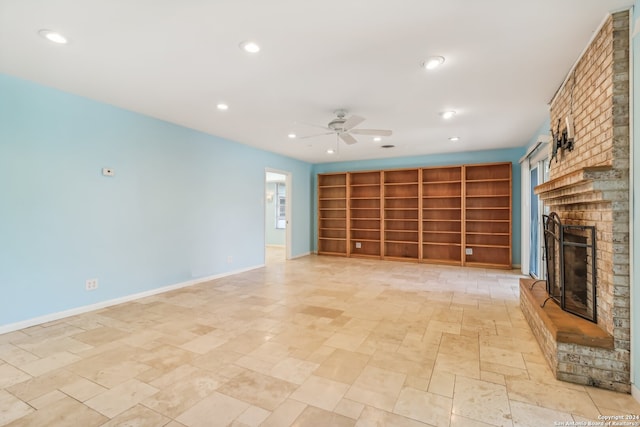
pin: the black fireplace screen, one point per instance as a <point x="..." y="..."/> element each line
<point x="570" y="252"/>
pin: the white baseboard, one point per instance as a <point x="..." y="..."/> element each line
<point x="97" y="306"/>
<point x="635" y="392"/>
<point x="301" y="255"/>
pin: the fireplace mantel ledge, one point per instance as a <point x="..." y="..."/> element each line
<point x="588" y="185"/>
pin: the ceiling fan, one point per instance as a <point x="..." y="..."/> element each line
<point x="343" y="127"/>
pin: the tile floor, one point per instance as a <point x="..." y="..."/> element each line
<point x="317" y="341"/>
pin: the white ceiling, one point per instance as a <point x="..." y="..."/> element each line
<point x="176" y="59"/>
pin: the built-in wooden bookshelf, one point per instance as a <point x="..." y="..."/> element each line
<point x="442" y="226"/>
<point x="459" y="215"/>
<point x="488" y="215"/>
<point x="401" y="234"/>
<point x="365" y="214"/>
<point x="332" y="214"/>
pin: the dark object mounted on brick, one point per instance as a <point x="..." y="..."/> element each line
<point x="562" y="140"/>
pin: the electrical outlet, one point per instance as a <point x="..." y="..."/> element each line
<point x="108" y="172"/>
<point x="229" y="259"/>
<point x="91" y="284"/>
<point x="358" y="245"/>
<point x="468" y="251"/>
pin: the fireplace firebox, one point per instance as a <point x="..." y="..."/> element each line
<point x="570" y="252"/>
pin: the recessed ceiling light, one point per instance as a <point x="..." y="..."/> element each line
<point x="222" y="106"/>
<point x="249" y="46"/>
<point x="292" y="135"/>
<point x="387" y="146"/>
<point x="53" y="36"/>
<point x="454" y="138"/>
<point x="433" y="62"/>
<point x="448" y="114"/>
<point x="330" y="151"/>
<point x="377" y="139"/>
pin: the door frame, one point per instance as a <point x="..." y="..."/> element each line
<point x="536" y="153"/>
<point x="288" y="209"/>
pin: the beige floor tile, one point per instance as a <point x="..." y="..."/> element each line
<point x="178" y="395"/>
<point x="204" y="343"/>
<point x="442" y="383"/>
<point x="399" y="362"/>
<point x="502" y="357"/>
<point x="52" y="346"/>
<point x="138" y="416"/>
<point x="257" y="389"/>
<point x="456" y="344"/>
<point x="342" y="365"/>
<point x="49" y="363"/>
<point x="423" y="406"/>
<point x="349" y="408"/>
<point x="377" y="387"/>
<point x="349" y="342"/>
<point x="47" y="399"/>
<point x="66" y="412"/>
<point x="254" y="364"/>
<point x="285" y="414"/>
<point x="43" y="384"/>
<point x="316" y="417"/>
<point x="526" y="415"/>
<point x="564" y="400"/>
<point x="215" y="410"/>
<point x="12" y="408"/>
<point x="612" y="401"/>
<point x="252" y="416"/>
<point x="320" y="392"/>
<point x="99" y="336"/>
<point x="492" y="377"/>
<point x="121" y="397"/>
<point x="293" y="370"/>
<point x="10" y="375"/>
<point x="374" y="417"/>
<point x="82" y="389"/>
<point x="15" y="355"/>
<point x="482" y="401"/>
<point x="460" y="421"/>
<point x="467" y="365"/>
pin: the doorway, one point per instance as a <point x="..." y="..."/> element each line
<point x="277" y="214"/>
<point x="538" y="174"/>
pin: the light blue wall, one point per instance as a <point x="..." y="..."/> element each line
<point x="489" y="156"/>
<point x="635" y="242"/>
<point x="544" y="129"/>
<point x="275" y="236"/>
<point x="180" y="203"/>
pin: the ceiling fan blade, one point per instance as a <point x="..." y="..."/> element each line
<point x="374" y="132"/>
<point x="352" y="122"/>
<point x="313" y="136"/>
<point x="312" y="125"/>
<point x="348" y="139"/>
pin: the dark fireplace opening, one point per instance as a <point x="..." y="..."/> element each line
<point x="571" y="266"/>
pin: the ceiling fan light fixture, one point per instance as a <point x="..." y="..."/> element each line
<point x="448" y="114"/>
<point x="53" y="36"/>
<point x="249" y="46"/>
<point x="433" y="62"/>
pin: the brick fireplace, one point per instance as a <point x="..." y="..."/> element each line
<point x="589" y="186"/>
